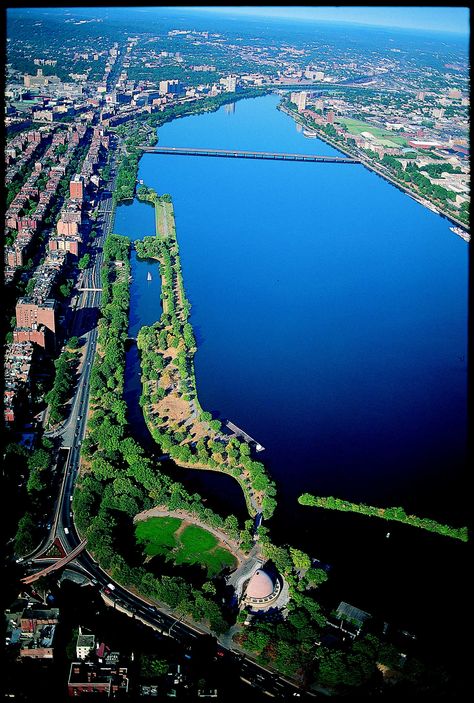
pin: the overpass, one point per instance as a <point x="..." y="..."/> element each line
<point x="57" y="564"/>
<point x="266" y="155"/>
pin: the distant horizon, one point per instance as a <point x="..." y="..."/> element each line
<point x="446" y="20"/>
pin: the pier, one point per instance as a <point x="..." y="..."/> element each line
<point x="237" y="432"/>
<point x="266" y="155"/>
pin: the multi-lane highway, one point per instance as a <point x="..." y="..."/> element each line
<point x="71" y="434"/>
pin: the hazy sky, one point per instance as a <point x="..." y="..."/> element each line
<point x="450" y="19"/>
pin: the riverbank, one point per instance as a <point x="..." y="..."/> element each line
<point x="170" y="401"/>
<point x="379" y="170"/>
<point x="397" y="514"/>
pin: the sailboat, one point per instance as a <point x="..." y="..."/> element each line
<point x="148" y="278"/>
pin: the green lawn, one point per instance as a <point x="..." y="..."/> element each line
<point x="164" y="219"/>
<point x="193" y="545"/>
<point x="195" y="539"/>
<point x="386" y="137"/>
<point x="157" y="534"/>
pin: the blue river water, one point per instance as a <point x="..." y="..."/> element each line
<point x="330" y="311"/>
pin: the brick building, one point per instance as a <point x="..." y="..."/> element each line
<point x="76" y="187"/>
<point x="70" y="244"/>
<point x="17" y="379"/>
<point x="90" y="677"/>
<point x="38" y="629"/>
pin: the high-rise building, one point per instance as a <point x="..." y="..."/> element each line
<point x="299" y="99"/>
<point x="171" y="86"/>
<point x="229" y="83"/>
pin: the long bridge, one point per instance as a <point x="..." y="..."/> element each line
<point x="232" y="154"/>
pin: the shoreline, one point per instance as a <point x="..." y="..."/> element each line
<point x="372" y="167"/>
<point x="174" y="304"/>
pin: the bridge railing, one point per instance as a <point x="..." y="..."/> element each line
<point x="228" y="153"/>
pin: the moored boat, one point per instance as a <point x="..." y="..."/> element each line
<point x="461" y="233"/>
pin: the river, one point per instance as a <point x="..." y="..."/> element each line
<point x="330" y="311"/>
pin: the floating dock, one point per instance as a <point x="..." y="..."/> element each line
<point x="237" y="432"/>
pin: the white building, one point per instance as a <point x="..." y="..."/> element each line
<point x="229" y="83"/>
<point x="299" y="99"/>
<point x="84" y="645"/>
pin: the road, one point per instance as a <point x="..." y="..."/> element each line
<point x="71" y="434"/>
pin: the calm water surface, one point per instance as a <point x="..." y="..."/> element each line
<point x="330" y="311"/>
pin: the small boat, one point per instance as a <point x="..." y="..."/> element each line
<point x="461" y="233"/>
<point x="388" y="534"/>
<point x="311" y="135"/>
<point x="148" y="278"/>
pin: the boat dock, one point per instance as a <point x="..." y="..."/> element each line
<point x="237" y="432"/>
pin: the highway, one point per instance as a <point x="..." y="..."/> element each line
<point x="71" y="435"/>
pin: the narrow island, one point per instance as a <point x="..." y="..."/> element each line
<point x="397" y="514"/>
<point x="169" y="399"/>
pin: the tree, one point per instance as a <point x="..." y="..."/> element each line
<point x="300" y="559"/>
<point x="315" y="577"/>
<point x="151" y="667"/>
<point x="84" y="261"/>
<point x="40" y="459"/>
<point x="24" y="538"/>
<point x="73" y="343"/>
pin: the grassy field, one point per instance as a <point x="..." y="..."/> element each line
<point x="385" y="137"/>
<point x="164" y="219"/>
<point x="157" y="534"/>
<point x="183" y="544"/>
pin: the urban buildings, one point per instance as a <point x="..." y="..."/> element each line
<point x="299" y="98"/>
<point x="76" y="187"/>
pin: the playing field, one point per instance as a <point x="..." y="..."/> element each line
<point x="384" y="136"/>
<point x="183" y="543"/>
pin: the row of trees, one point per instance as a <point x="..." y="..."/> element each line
<point x="128" y="168"/>
<point x="410" y="176"/>
<point x="34" y="468"/>
<point x="288" y="645"/>
<point x="64" y="382"/>
<point x="164" y="373"/>
<point x="296" y="646"/>
<point x="127" y="176"/>
<point x="121" y="479"/>
<point x="396" y="513"/>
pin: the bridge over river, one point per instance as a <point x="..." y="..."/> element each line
<point x="267" y="155"/>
